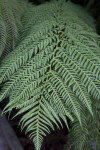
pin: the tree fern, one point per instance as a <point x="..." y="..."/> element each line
<point x="54" y="72"/>
<point x="10" y="23"/>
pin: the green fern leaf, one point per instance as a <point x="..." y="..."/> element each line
<point x="10" y="24"/>
<point x="54" y="72"/>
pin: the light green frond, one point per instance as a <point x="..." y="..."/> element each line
<point x="54" y="72"/>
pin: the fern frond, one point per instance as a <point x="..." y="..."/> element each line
<point x="82" y="138"/>
<point x="10" y="24"/>
<point x="54" y="72"/>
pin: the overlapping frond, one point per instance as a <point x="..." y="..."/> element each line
<point x="84" y="138"/>
<point x="55" y="70"/>
<point x="10" y="23"/>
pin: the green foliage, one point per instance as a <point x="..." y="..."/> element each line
<point x="54" y="72"/>
<point x="10" y="23"/>
<point x="81" y="138"/>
